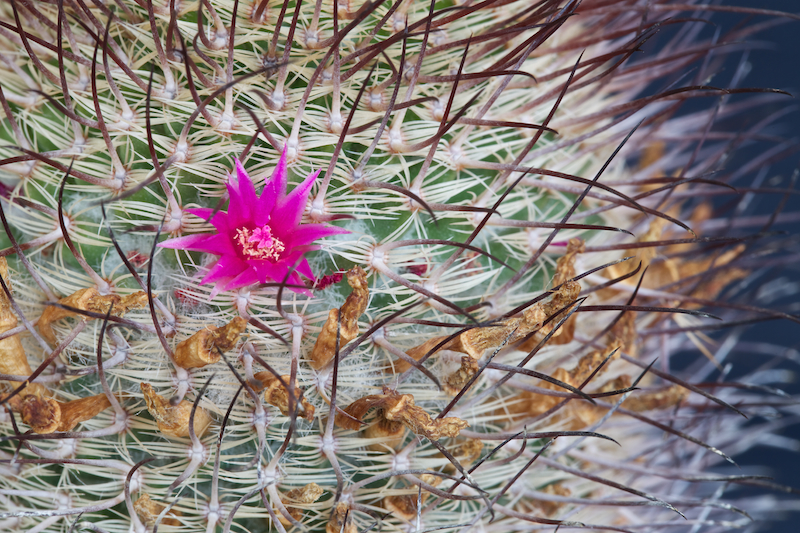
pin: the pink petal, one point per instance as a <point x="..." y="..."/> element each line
<point x="294" y="279"/>
<point x="189" y="242"/>
<point x="243" y="198"/>
<point x="220" y="220"/>
<point x="246" y="189"/>
<point x="308" y="233"/>
<point x="305" y="269"/>
<point x="218" y="244"/>
<point x="202" y="212"/>
<point x="238" y="211"/>
<point x="267" y="271"/>
<point x="289" y="211"/>
<point x="226" y="267"/>
<point x="292" y="259"/>
<point x="248" y="277"/>
<point x="274" y="189"/>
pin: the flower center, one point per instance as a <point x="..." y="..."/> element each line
<point x="259" y="243"/>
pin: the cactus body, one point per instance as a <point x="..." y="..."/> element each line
<point x="485" y="169"/>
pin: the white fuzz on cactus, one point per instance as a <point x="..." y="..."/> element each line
<point x="528" y="226"/>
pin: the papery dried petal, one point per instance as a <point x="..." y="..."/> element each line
<point x="305" y="495"/>
<point x="76" y="411"/>
<point x="277" y="395"/>
<point x="89" y="300"/>
<point x="204" y="347"/>
<point x="13" y="360"/>
<point x="149" y="511"/>
<point x="173" y="421"/>
<point x="344" y="319"/>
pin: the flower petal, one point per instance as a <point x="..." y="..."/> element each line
<point x="289" y="211"/>
<point x="243" y="198"/>
<point x="203" y="212"/>
<point x="227" y="267"/>
<point x="308" y="233"/>
<point x="219" y="220"/>
<point x="189" y="242"/>
<point x="247" y="277"/>
<point x="274" y="189"/>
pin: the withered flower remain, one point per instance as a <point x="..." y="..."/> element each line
<point x="173" y="421"/>
<point x="275" y="393"/>
<point x="305" y="495"/>
<point x="13" y="360"/>
<point x="344" y="320"/>
<point x="88" y="300"/>
<point x="149" y="511"/>
<point x="400" y="408"/>
<point x="204" y="347"/>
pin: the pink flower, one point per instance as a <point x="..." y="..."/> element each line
<point x="259" y="238"/>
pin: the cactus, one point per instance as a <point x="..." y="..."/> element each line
<point x="512" y="248"/>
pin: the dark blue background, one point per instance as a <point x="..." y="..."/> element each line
<point x="776" y="64"/>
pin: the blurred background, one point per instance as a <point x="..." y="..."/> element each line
<point x="775" y="63"/>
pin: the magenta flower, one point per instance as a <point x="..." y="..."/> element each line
<point x="259" y="238"/>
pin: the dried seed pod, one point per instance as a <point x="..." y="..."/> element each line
<point x="403" y="506"/>
<point x="201" y="348"/>
<point x="277" y="395"/>
<point x="592" y="361"/>
<point x="475" y="342"/>
<point x="565" y="266"/>
<point x="406" y="506"/>
<point x="42" y="414"/>
<point x="534" y="404"/>
<point x="341" y="520"/>
<point x="548" y="508"/>
<point x="457" y="370"/>
<point x="81" y="410"/>
<point x="400" y="408"/>
<point x="13" y="360"/>
<point x="659" y="399"/>
<point x="46" y="415"/>
<point x="305" y="495"/>
<point x="565" y="271"/>
<point x="391" y="434"/>
<point x="149" y="510"/>
<point x="467" y="452"/>
<point x="173" y="421"/>
<point x="557" y="307"/>
<point x="88" y="300"/>
<point x="624" y="331"/>
<point x="345" y="319"/>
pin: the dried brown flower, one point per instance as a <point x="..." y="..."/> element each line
<point x="81" y="410"/>
<point x="400" y="408"/>
<point x="172" y="420"/>
<point x="277" y="395"/>
<point x="345" y="319"/>
<point x="305" y="495"/>
<point x="13" y="360"/>
<point x="148" y="510"/>
<point x="405" y="506"/>
<point x="455" y="379"/>
<point x="201" y="348"/>
<point x="88" y="300"/>
<point x="42" y="414"/>
<point x="475" y="342"/>
<point x="341" y="520"/>
<point x="659" y="399"/>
